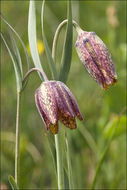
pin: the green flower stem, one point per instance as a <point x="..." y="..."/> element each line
<point x="32" y="70"/>
<point x="17" y="145"/>
<point x="76" y="26"/>
<point x="58" y="143"/>
<point x="60" y="172"/>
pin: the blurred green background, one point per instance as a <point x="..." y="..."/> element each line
<point x="99" y="108"/>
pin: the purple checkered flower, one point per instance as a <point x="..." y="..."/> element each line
<point x="55" y="102"/>
<point x="96" y="58"/>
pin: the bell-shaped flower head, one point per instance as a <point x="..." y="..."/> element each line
<point x="96" y="58"/>
<point x="55" y="102"/>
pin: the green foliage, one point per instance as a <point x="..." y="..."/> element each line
<point x="48" y="52"/>
<point x="121" y="128"/>
<point x="33" y="37"/>
<point x="67" y="51"/>
<point x="15" y="54"/>
<point x="15" y="59"/>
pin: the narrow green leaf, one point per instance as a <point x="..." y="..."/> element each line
<point x="15" y="64"/>
<point x="121" y="128"/>
<point x="16" y="51"/>
<point x="48" y="52"/>
<point x="88" y="137"/>
<point x="33" y="37"/>
<point x="12" y="183"/>
<point x="25" y="50"/>
<point x="103" y="155"/>
<point x="70" y="177"/>
<point x="67" y="51"/>
<point x="66" y="181"/>
<point x="51" y="146"/>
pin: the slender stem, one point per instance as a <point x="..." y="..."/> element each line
<point x="56" y="37"/>
<point x="77" y="27"/>
<point x="35" y="69"/>
<point x="17" y="145"/>
<point x="60" y="172"/>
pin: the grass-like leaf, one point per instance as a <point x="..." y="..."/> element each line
<point x="103" y="155"/>
<point x="48" y="52"/>
<point x="121" y="128"/>
<point x="67" y="52"/>
<point x="88" y="138"/>
<point x="16" y="51"/>
<point x="12" y="183"/>
<point x="51" y="147"/>
<point x="12" y="29"/>
<point x="33" y="37"/>
<point x="16" y="65"/>
<point x="70" y="177"/>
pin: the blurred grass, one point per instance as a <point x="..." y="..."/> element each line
<point x="97" y="106"/>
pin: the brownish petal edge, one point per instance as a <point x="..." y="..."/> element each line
<point x="67" y="121"/>
<point x="54" y="128"/>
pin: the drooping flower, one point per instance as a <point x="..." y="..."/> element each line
<point x="96" y="58"/>
<point x="55" y="102"/>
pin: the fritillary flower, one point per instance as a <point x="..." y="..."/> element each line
<point x="55" y="102"/>
<point x="96" y="58"/>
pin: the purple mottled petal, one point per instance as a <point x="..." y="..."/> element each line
<point x="63" y="100"/>
<point x="73" y="102"/>
<point x="47" y="102"/>
<point x="48" y="125"/>
<point x="104" y="57"/>
<point x="42" y="114"/>
<point x="90" y="63"/>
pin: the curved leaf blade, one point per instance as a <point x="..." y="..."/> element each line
<point x="15" y="64"/>
<point x="16" y="52"/>
<point x="22" y="43"/>
<point x="121" y="128"/>
<point x="48" y="52"/>
<point x="32" y="36"/>
<point x="67" y="52"/>
<point x="70" y="176"/>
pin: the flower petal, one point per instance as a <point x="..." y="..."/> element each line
<point x="54" y="128"/>
<point x="67" y="121"/>
<point x="63" y="100"/>
<point x="42" y="114"/>
<point x="47" y="101"/>
<point x="48" y="125"/>
<point x="104" y="57"/>
<point x="72" y="101"/>
<point x="89" y="63"/>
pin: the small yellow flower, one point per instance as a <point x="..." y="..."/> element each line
<point x="40" y="46"/>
